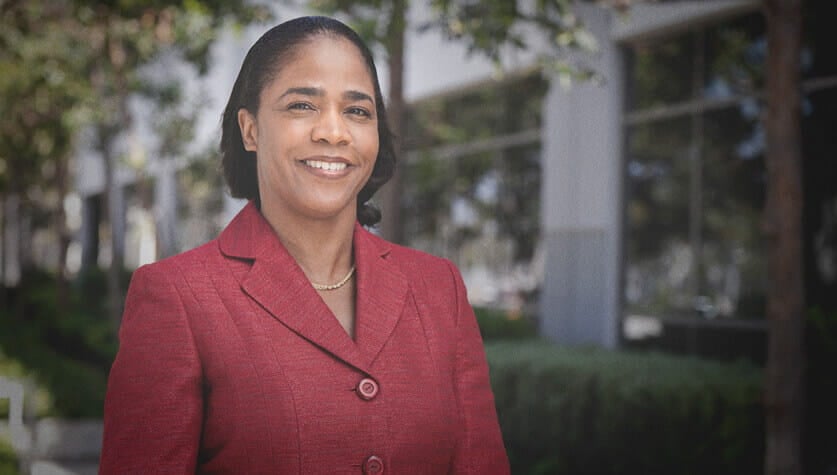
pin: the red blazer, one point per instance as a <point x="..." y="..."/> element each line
<point x="230" y="362"/>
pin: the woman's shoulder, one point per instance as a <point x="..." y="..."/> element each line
<point x="418" y="258"/>
<point x="415" y="263"/>
<point x="406" y="256"/>
<point x="193" y="262"/>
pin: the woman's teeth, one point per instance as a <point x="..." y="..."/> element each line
<point x="329" y="166"/>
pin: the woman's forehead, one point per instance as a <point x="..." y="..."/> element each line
<point x="326" y="58"/>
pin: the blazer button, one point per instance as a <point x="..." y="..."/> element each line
<point x="373" y="465"/>
<point x="367" y="389"/>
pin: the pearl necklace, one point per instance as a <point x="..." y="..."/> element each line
<point x="337" y="285"/>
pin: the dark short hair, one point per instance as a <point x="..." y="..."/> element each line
<point x="261" y="65"/>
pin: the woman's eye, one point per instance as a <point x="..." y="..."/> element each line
<point x="300" y="106"/>
<point x="359" y="111"/>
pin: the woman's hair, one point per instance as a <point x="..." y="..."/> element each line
<point x="261" y="65"/>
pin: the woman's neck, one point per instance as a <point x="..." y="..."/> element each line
<point x="321" y="247"/>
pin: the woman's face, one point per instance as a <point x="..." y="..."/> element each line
<point x="316" y="132"/>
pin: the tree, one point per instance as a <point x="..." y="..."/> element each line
<point x="488" y="27"/>
<point x="41" y="86"/>
<point x="124" y="36"/>
<point x="70" y="65"/>
<point x="783" y="213"/>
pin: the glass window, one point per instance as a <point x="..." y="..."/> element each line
<point x="495" y="109"/>
<point x="818" y="59"/>
<point x="471" y="187"/>
<point x="735" y="53"/>
<point x="661" y="72"/>
<point x="659" y="256"/>
<point x="695" y="253"/>
<point x="493" y="192"/>
<point x="733" y="267"/>
<point x="695" y="175"/>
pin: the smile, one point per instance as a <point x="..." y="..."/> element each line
<point x="328" y="166"/>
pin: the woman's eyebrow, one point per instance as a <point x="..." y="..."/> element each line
<point x="304" y="91"/>
<point x="350" y="95"/>
<point x="357" y="96"/>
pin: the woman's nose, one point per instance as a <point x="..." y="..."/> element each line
<point x="330" y="128"/>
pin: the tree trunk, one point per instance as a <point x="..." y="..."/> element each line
<point x="91" y="216"/>
<point x="63" y="234"/>
<point x="113" y="208"/>
<point x="3" y="244"/>
<point x="783" y="214"/>
<point x="391" y="192"/>
<point x="108" y="130"/>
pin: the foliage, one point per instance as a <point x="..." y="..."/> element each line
<point x="39" y="88"/>
<point x="499" y="325"/>
<point x="38" y="399"/>
<point x="491" y="28"/>
<point x="199" y="198"/>
<point x="496" y="27"/>
<point x="586" y="411"/>
<point x="66" y="350"/>
<point x="56" y="58"/>
<point x="372" y="19"/>
<point x="70" y="65"/>
<point x="8" y="459"/>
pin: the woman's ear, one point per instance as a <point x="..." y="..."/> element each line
<point x="249" y="131"/>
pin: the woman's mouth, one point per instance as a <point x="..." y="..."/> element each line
<point x="327" y="166"/>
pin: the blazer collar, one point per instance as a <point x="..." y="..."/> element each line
<point x="276" y="282"/>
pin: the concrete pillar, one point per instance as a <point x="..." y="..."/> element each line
<point x="581" y="196"/>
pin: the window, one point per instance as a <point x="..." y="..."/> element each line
<point x="472" y="184"/>
<point x="695" y="176"/>
<point x="694" y="252"/>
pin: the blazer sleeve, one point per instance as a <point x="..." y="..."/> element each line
<point x="481" y="449"/>
<point x="153" y="406"/>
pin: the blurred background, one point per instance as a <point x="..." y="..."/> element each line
<point x="597" y="170"/>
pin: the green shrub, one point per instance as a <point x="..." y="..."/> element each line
<point x="13" y="370"/>
<point x="65" y="347"/>
<point x="498" y="325"/>
<point x="65" y="387"/>
<point x="8" y="459"/>
<point x="587" y="411"/>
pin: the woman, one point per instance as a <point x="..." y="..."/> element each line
<point x="297" y="341"/>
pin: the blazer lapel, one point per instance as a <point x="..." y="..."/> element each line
<point x="276" y="282"/>
<point x="381" y="293"/>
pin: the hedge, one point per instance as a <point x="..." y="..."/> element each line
<point x="64" y="349"/>
<point x="8" y="459"/>
<point x="498" y="325"/>
<point x="587" y="411"/>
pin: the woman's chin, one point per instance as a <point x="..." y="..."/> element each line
<point x="316" y="210"/>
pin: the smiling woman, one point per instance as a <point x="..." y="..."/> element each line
<point x="298" y="341"/>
